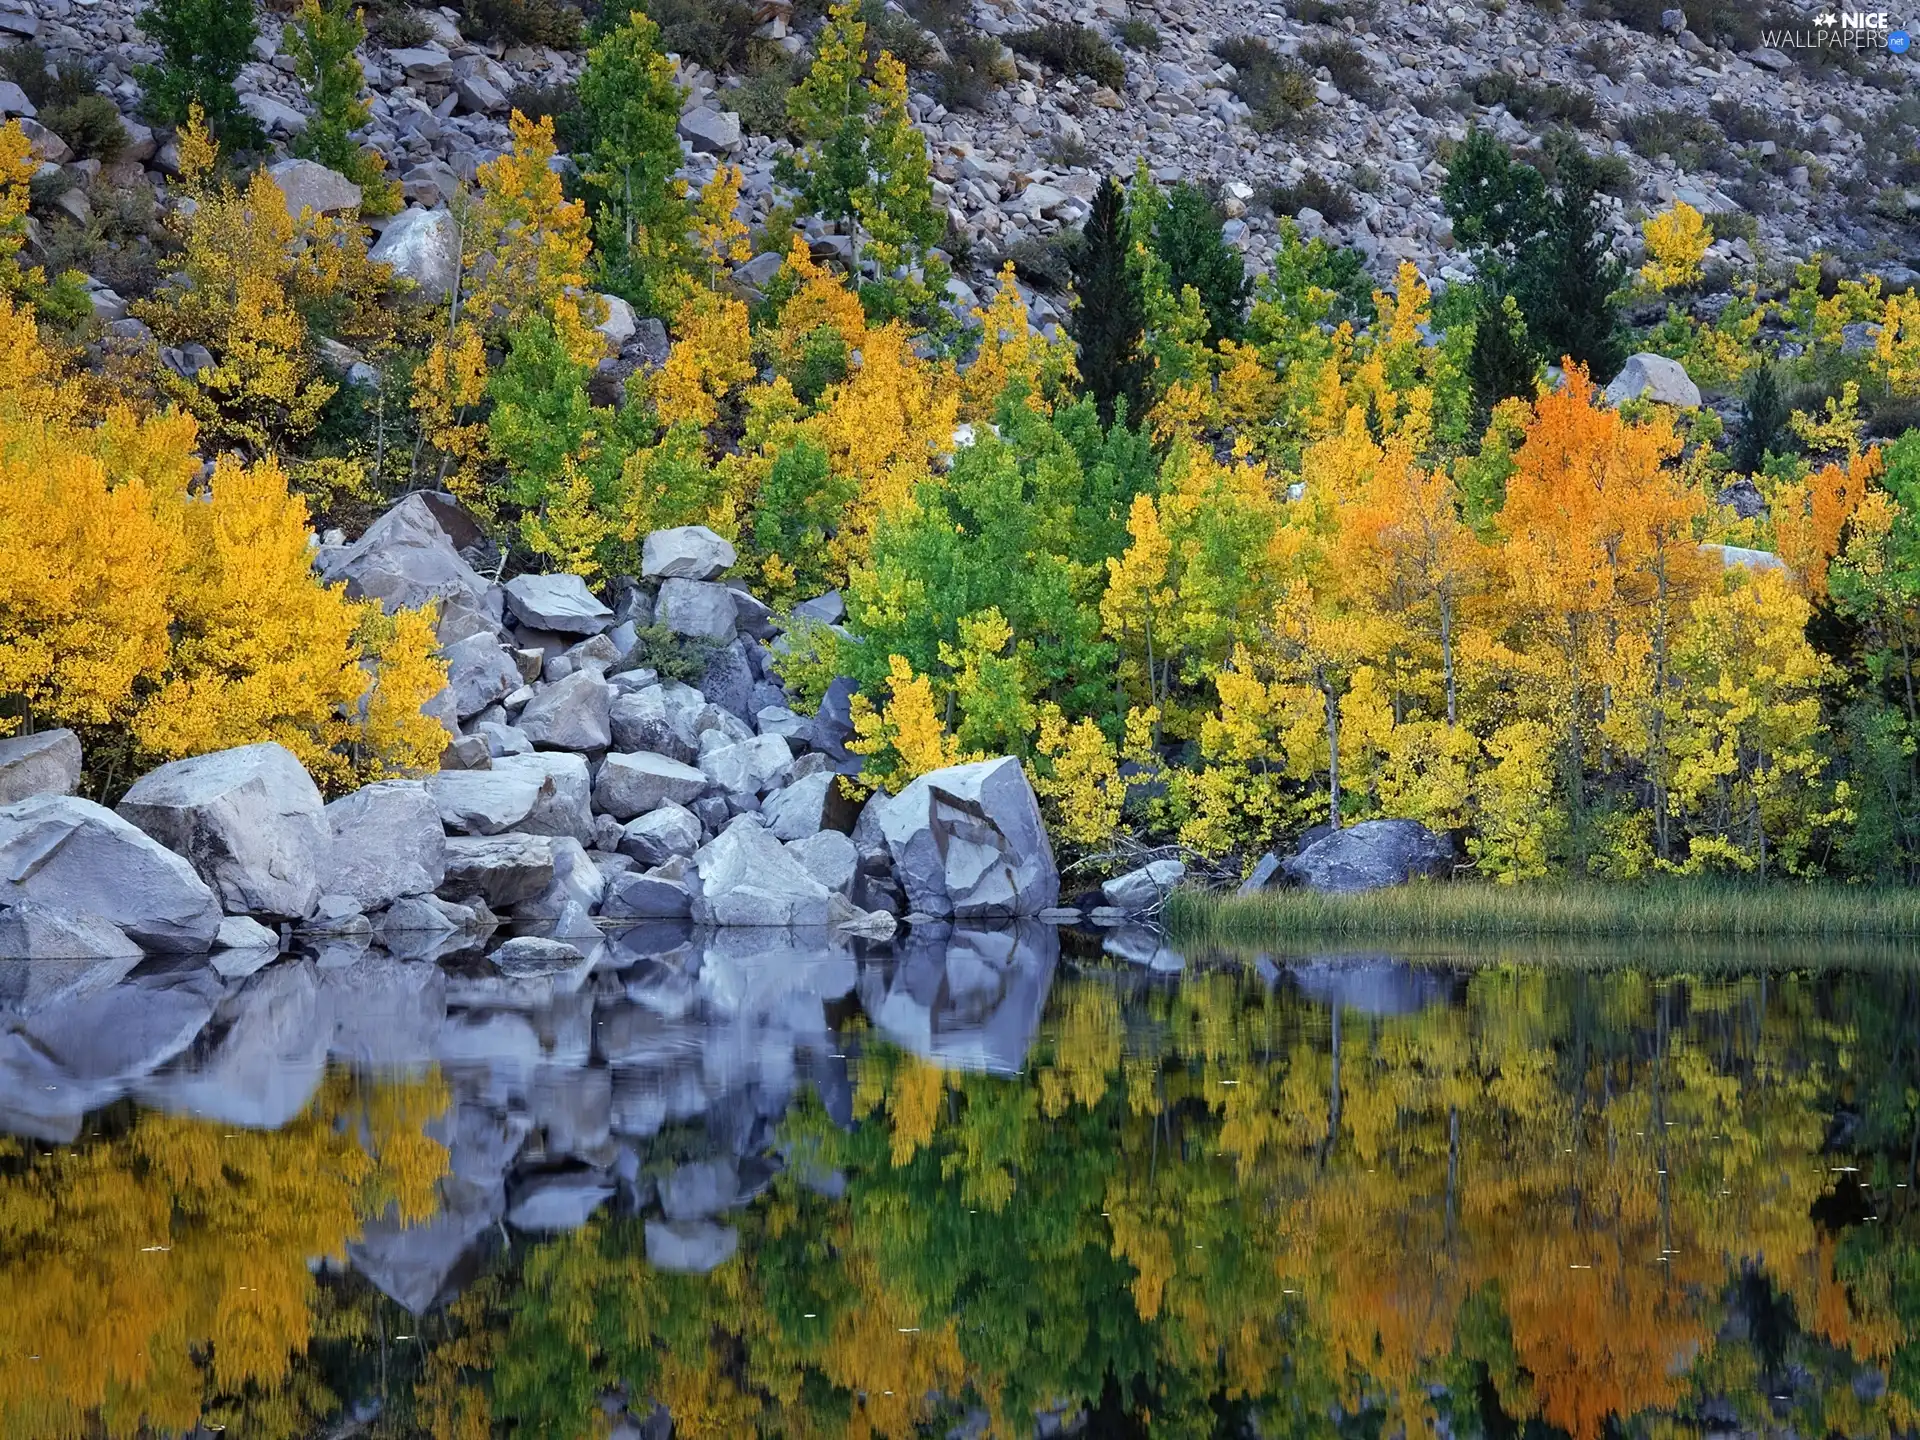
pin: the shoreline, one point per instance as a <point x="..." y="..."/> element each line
<point x="1652" y="910"/>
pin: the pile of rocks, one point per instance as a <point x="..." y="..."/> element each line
<point x="578" y="788"/>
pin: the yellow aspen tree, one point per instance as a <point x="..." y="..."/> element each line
<point x="1897" y="348"/>
<point x="719" y="235"/>
<point x="904" y="738"/>
<point x="1677" y="242"/>
<point x="1076" y="774"/>
<point x="17" y="167"/>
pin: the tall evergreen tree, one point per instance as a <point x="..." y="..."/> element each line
<point x="203" y="44"/>
<point x="1186" y="235"/>
<point x="1110" y="318"/>
<point x="1763" y="416"/>
<point x="1504" y="360"/>
<point x="1569" y="278"/>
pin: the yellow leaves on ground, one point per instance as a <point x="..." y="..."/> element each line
<point x="195" y="620"/>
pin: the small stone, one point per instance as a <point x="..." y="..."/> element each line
<point x="44" y="763"/>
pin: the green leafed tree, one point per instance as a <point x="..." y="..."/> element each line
<point x="321" y="40"/>
<point x="203" y="44"/>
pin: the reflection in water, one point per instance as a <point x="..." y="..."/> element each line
<point x="781" y="1187"/>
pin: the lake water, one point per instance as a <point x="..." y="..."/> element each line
<point x="994" y="1183"/>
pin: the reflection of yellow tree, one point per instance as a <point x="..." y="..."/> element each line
<point x="149" y="1274"/>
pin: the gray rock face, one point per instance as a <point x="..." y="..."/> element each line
<point x="643" y="720"/>
<point x="829" y="857"/>
<point x="128" y="1031"/>
<point x="243" y="932"/>
<point x="1262" y="874"/>
<point x="482" y="802"/>
<point x="967" y="841"/>
<point x="47" y="763"/>
<point x="573" y="713"/>
<point x="422" y="246"/>
<point x="690" y="1247"/>
<point x="74" y="855"/>
<point x="636" y="784"/>
<point x="529" y="955"/>
<point x="714" y="132"/>
<point x="249" y="820"/>
<point x="479" y="672"/>
<point x="32" y="931"/>
<point x="557" y="602"/>
<point x="799" y="809"/>
<point x="388" y="841"/>
<point x="748" y="878"/>
<point x="404" y="560"/>
<point x="697" y="608"/>
<point x="563" y="807"/>
<point x="647" y="897"/>
<point x="1142" y="889"/>
<point x="661" y="834"/>
<point x="1653" y="377"/>
<point x="748" y="766"/>
<point x="265" y="1067"/>
<point x="1371" y="856"/>
<point x="503" y="870"/>
<point x="687" y="552"/>
<point x="312" y="186"/>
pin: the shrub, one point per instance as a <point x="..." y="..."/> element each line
<point x="91" y="125"/>
<point x="1046" y="263"/>
<point x="1343" y="61"/>
<point x="395" y="26"/>
<point x="713" y="33"/>
<point x="321" y="39"/>
<point x="1602" y="57"/>
<point x="976" y="66"/>
<point x="1067" y="153"/>
<point x="1072" y="50"/>
<point x="203" y="44"/>
<point x="1277" y="88"/>
<point x="1138" y="34"/>
<point x="899" y="35"/>
<point x="1693" y="141"/>
<point x="761" y="101"/>
<point x="552" y="23"/>
<point x="1313" y="191"/>
<point x="684" y="658"/>
<point x="1537" y="104"/>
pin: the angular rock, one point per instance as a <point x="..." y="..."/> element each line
<point x="130" y="1030"/>
<point x="243" y="932"/>
<point x="76" y="856"/>
<point x="748" y="766"/>
<point x="636" y="784"/>
<point x="647" y="897"/>
<point x="645" y="721"/>
<point x="748" y="878"/>
<point x="388" y="841"/>
<point x="482" y="802"/>
<point x="564" y="806"/>
<point x="312" y="186"/>
<point x="728" y="682"/>
<point x="691" y="1247"/>
<point x="827" y="609"/>
<point x="250" y="820"/>
<point x="1142" y="889"/>
<point x="800" y="808"/>
<point x="529" y="955"/>
<point x="30" y="930"/>
<point x="422" y="246"/>
<point x="700" y="1190"/>
<point x="404" y="560"/>
<point x="573" y="713"/>
<point x="503" y="869"/>
<point x="829" y="857"/>
<point x="696" y="608"/>
<point x="833" y="721"/>
<point x="660" y="834"/>
<point x="1371" y="856"/>
<point x="1261" y="876"/>
<point x="967" y="841"/>
<point x="687" y="552"/>
<point x="44" y="763"/>
<point x="267" y="1062"/>
<point x="557" y="602"/>
<point x="713" y="132"/>
<point x="1653" y="377"/>
<point x="479" y="672"/>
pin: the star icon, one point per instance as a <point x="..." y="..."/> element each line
<point x="1826" y="18"/>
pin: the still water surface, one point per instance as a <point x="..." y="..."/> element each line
<point x="966" y="1184"/>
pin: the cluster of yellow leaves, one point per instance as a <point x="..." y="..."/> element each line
<point x="905" y="737"/>
<point x="17" y="167"/>
<point x="192" y="620"/>
<point x="1677" y="242"/>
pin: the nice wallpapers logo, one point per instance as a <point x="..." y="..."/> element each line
<point x="1844" y="30"/>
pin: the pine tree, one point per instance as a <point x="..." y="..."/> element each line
<point x="1109" y="319"/>
<point x="1568" y="277"/>
<point x="1187" y="237"/>
<point x="1504" y="360"/>
<point x="1763" y="419"/>
<point x="321" y="39"/>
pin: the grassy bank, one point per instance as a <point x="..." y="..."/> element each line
<point x="1672" y="909"/>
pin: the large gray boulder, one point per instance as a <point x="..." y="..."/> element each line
<point x="309" y="185"/>
<point x="688" y="552"/>
<point x="405" y="559"/>
<point x="654" y="720"/>
<point x="748" y="878"/>
<point x="479" y="672"/>
<point x="561" y="603"/>
<point x="631" y="785"/>
<point x="73" y="855"/>
<point x="748" y="766"/>
<point x="388" y="841"/>
<point x="250" y="820"/>
<point x="799" y="809"/>
<point x="967" y="841"/>
<point x="46" y="763"/>
<point x="422" y="246"/>
<point x="1142" y="889"/>
<point x="564" y="804"/>
<point x="30" y="930"/>
<point x="1653" y="377"/>
<point x="503" y="870"/>
<point x="130" y="1030"/>
<point x="647" y="897"/>
<point x="661" y="834"/>
<point x="829" y="857"/>
<point x="699" y="609"/>
<point x="1370" y="856"/>
<point x="573" y="713"/>
<point x="483" y="802"/>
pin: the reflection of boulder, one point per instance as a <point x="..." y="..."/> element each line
<point x="690" y="1246"/>
<point x="267" y="1062"/>
<point x="1370" y="984"/>
<point x="386" y="1012"/>
<point x="966" y="999"/>
<point x="130" y="1030"/>
<point x="565" y="1201"/>
<point x="30" y="985"/>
